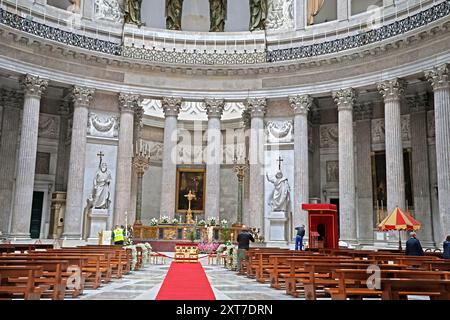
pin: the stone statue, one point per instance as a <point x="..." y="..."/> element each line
<point x="258" y="14"/>
<point x="100" y="192"/>
<point x="279" y="200"/>
<point x="132" y="11"/>
<point x="218" y="15"/>
<point x="174" y="11"/>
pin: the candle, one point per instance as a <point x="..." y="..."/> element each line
<point x="133" y="37"/>
<point x="16" y="13"/>
<point x="143" y="39"/>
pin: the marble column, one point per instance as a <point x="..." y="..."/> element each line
<point x="127" y="104"/>
<point x="392" y="91"/>
<point x="301" y="105"/>
<point x="257" y="109"/>
<point x="214" y="109"/>
<point x="11" y="104"/>
<point x="345" y="99"/>
<point x="364" y="201"/>
<point x="171" y="107"/>
<point x="420" y="167"/>
<point x="439" y="79"/>
<point x="62" y="163"/>
<point x="137" y="135"/>
<point x="75" y="203"/>
<point x="23" y="197"/>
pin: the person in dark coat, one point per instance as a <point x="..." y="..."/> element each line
<point x="446" y="254"/>
<point x="243" y="240"/>
<point x="299" y="237"/>
<point x="413" y="246"/>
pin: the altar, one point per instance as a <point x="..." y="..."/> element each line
<point x="182" y="232"/>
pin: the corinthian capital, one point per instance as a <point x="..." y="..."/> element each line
<point x="301" y="104"/>
<point x="171" y="106"/>
<point x="392" y="90"/>
<point x="214" y="107"/>
<point x="82" y="95"/>
<point x="128" y="102"/>
<point x="438" y="77"/>
<point x="33" y="85"/>
<point x="256" y="107"/>
<point x="345" y="98"/>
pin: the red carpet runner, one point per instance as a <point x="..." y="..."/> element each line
<point x="186" y="281"/>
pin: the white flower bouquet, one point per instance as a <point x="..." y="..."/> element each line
<point x="154" y="222"/>
<point x="164" y="219"/>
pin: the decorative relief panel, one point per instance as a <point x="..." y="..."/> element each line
<point x="103" y="126"/>
<point x="48" y="126"/>
<point x="279" y="131"/>
<point x="378" y="133"/>
<point x="280" y="14"/>
<point x="332" y="171"/>
<point x="329" y="135"/>
<point x="156" y="150"/>
<point x="108" y="10"/>
<point x="378" y="130"/>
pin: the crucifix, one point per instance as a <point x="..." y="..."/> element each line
<point x="279" y="162"/>
<point x="100" y="154"/>
<point x="190" y="196"/>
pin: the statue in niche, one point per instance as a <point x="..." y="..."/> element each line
<point x="132" y="11"/>
<point x="100" y="196"/>
<point x="218" y="15"/>
<point x="174" y="11"/>
<point x="280" y="196"/>
<point x="258" y="14"/>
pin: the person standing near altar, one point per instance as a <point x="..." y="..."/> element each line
<point x="118" y="235"/>
<point x="243" y="239"/>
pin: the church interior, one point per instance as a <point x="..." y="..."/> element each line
<point x="261" y="149"/>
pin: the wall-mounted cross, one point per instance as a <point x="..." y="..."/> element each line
<point x="280" y="159"/>
<point x="100" y="154"/>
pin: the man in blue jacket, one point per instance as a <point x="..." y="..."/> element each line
<point x="446" y="254"/>
<point x="413" y="246"/>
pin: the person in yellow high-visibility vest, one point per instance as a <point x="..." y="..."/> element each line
<point x="118" y="235"/>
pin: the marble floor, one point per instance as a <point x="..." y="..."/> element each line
<point x="227" y="285"/>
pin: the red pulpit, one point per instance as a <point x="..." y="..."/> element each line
<point x="323" y="225"/>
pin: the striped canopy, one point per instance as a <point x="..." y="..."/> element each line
<point x="398" y="220"/>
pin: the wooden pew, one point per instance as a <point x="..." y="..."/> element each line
<point x="353" y="283"/>
<point x="72" y="261"/>
<point x="396" y="288"/>
<point x="11" y="288"/>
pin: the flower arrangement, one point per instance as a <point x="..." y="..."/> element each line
<point x="154" y="222"/>
<point x="165" y="219"/>
<point x="208" y="247"/>
<point x="175" y="221"/>
<point x="224" y="223"/>
<point x="201" y="222"/>
<point x="212" y="221"/>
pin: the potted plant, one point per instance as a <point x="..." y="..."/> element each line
<point x="175" y="221"/>
<point x="224" y="223"/>
<point x="164" y="219"/>
<point x="153" y="222"/>
<point x="201" y="222"/>
<point x="212" y="221"/>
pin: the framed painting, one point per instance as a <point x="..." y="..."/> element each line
<point x="193" y="180"/>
